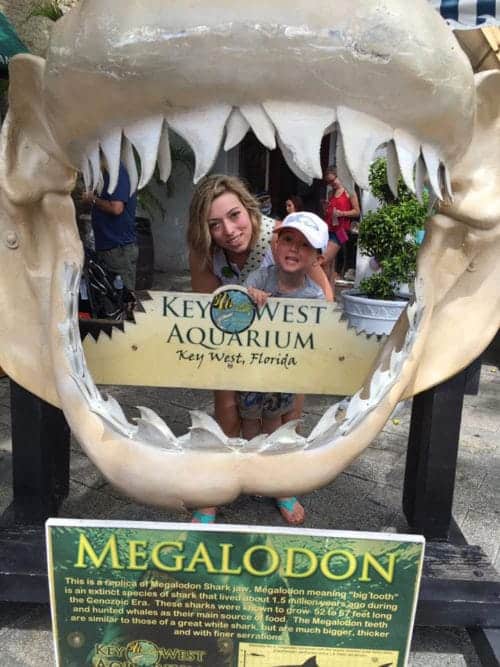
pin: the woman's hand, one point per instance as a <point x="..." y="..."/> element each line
<point x="258" y="296"/>
<point x="87" y="197"/>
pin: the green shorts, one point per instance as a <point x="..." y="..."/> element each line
<point x="122" y="260"/>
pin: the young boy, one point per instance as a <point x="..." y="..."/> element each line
<point x="302" y="239"/>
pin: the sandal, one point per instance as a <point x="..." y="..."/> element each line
<point x="203" y="516"/>
<point x="291" y="510"/>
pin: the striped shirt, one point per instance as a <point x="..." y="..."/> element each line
<point x="469" y="13"/>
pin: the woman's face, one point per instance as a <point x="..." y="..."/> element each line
<point x="229" y="224"/>
<point x="333" y="180"/>
<point x="290" y="206"/>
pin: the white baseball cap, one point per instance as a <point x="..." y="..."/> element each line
<point x="310" y="225"/>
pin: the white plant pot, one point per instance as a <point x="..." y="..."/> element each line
<point x="373" y="316"/>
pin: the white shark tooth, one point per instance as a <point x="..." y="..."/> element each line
<point x="202" y="440"/>
<point x="202" y="129"/>
<point x="288" y="157"/>
<point x="115" y="410"/>
<point x="261" y="124"/>
<point x="396" y="362"/>
<point x="284" y="439"/>
<point x="205" y="433"/>
<point x="72" y="280"/>
<point x="93" y="401"/>
<point x="164" y="155"/>
<point x="326" y="420"/>
<point x="342" y="169"/>
<point x="255" y="444"/>
<point x="91" y="388"/>
<point x="202" y="420"/>
<point x="433" y="162"/>
<point x="150" y="416"/>
<point x="411" y="312"/>
<point x="357" y="405"/>
<point x="326" y="438"/>
<point x="420" y="174"/>
<point x="408" y="150"/>
<point x="145" y="137"/>
<point x="378" y="385"/>
<point x="236" y="128"/>
<point x="149" y="433"/>
<point x="95" y="164"/>
<point x="128" y="158"/>
<point x="301" y="127"/>
<point x="393" y="171"/>
<point x="87" y="177"/>
<point x="362" y="135"/>
<point x="419" y="289"/>
<point x="111" y="148"/>
<point x="330" y="129"/>
<point x="127" y="430"/>
<point x="447" y="181"/>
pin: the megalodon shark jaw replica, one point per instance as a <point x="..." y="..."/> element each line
<point x="379" y="74"/>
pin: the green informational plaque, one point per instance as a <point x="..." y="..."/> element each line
<point x="137" y="594"/>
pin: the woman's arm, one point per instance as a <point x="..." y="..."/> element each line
<point x="355" y="210"/>
<point x="317" y="274"/>
<point x="202" y="278"/>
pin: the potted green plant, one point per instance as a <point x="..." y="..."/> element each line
<point x="391" y="236"/>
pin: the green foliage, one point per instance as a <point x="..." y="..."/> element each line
<point x="388" y="234"/>
<point x="49" y="10"/>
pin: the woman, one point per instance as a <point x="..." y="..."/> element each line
<point x="228" y="237"/>
<point x="340" y="209"/>
<point x="294" y="204"/>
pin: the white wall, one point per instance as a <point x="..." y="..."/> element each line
<point x="169" y="223"/>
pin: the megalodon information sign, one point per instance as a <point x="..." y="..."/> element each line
<point x="176" y="595"/>
<point x="223" y="341"/>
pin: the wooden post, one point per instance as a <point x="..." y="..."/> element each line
<point x="40" y="457"/>
<point x="432" y="457"/>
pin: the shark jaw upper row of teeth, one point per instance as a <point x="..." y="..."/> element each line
<point x="297" y="129"/>
<point x="205" y="434"/>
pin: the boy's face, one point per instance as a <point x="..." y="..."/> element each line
<point x="294" y="253"/>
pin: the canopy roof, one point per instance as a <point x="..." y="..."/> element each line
<point x="463" y="14"/>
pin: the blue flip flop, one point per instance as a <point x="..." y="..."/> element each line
<point x="286" y="507"/>
<point x="202" y="517"/>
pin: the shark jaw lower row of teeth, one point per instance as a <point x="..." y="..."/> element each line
<point x="205" y="434"/>
<point x="296" y="128"/>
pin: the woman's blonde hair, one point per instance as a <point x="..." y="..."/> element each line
<point x="207" y="190"/>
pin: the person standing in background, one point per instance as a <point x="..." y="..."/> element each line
<point x="113" y="222"/>
<point x="294" y="204"/>
<point x="340" y="209"/>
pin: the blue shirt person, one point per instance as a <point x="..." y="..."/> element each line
<point x="113" y="222"/>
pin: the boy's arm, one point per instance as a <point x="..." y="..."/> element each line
<point x="317" y="274"/>
<point x="258" y="296"/>
<point x="254" y="285"/>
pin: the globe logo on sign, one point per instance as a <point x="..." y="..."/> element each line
<point x="232" y="310"/>
<point x="142" y="653"/>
